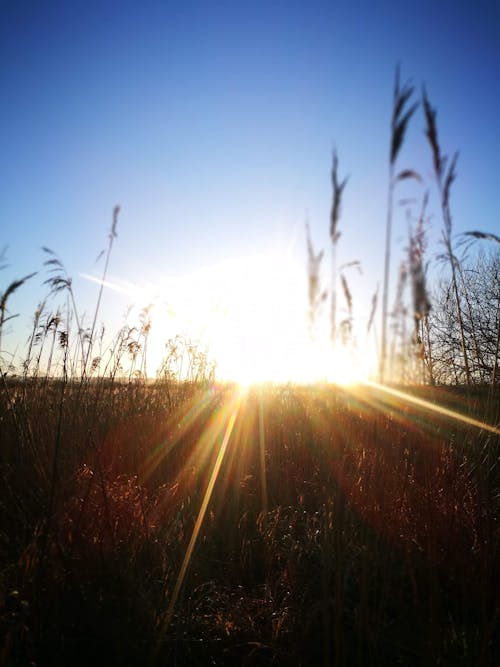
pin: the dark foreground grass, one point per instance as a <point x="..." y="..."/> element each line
<point x="370" y="536"/>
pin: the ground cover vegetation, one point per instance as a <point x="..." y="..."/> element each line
<point x="187" y="522"/>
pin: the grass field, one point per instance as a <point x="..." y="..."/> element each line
<point x="181" y="521"/>
<point x="167" y="523"/>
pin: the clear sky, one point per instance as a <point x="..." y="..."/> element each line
<point x="212" y="124"/>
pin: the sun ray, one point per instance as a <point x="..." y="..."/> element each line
<point x="184" y="419"/>
<point x="433" y="407"/>
<point x="165" y="622"/>
<point x="262" y="452"/>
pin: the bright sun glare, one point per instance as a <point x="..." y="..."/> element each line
<point x="250" y="315"/>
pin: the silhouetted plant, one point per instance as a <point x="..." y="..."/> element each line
<point x="315" y="294"/>
<point x="401" y="116"/>
<point x="338" y="189"/>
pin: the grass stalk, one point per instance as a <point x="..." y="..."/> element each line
<point x="401" y="116"/>
<point x="111" y="238"/>
<point x="338" y="189"/>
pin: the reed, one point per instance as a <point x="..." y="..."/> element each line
<point x="338" y="190"/>
<point x="112" y="235"/>
<point x="316" y="295"/>
<point x="401" y="115"/>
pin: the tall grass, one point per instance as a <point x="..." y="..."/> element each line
<point x="338" y="190"/>
<point x="315" y="294"/>
<point x="379" y="544"/>
<point x="401" y="115"/>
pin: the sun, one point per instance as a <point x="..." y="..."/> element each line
<point x="259" y="332"/>
<point x="263" y="335"/>
<point x="250" y="316"/>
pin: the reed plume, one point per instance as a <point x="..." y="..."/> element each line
<point x="315" y="295"/>
<point x="338" y="189"/>
<point x="401" y="116"/>
<point x="444" y="179"/>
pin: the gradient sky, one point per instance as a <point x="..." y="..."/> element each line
<point x="212" y="124"/>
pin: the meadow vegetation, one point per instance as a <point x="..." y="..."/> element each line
<point x="182" y="521"/>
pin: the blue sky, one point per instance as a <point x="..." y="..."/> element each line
<point x="213" y="123"/>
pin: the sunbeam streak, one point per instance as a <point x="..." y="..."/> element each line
<point x="262" y="451"/>
<point x="201" y="515"/>
<point x="427" y="405"/>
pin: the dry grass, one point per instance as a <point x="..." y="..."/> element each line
<point x="380" y="544"/>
